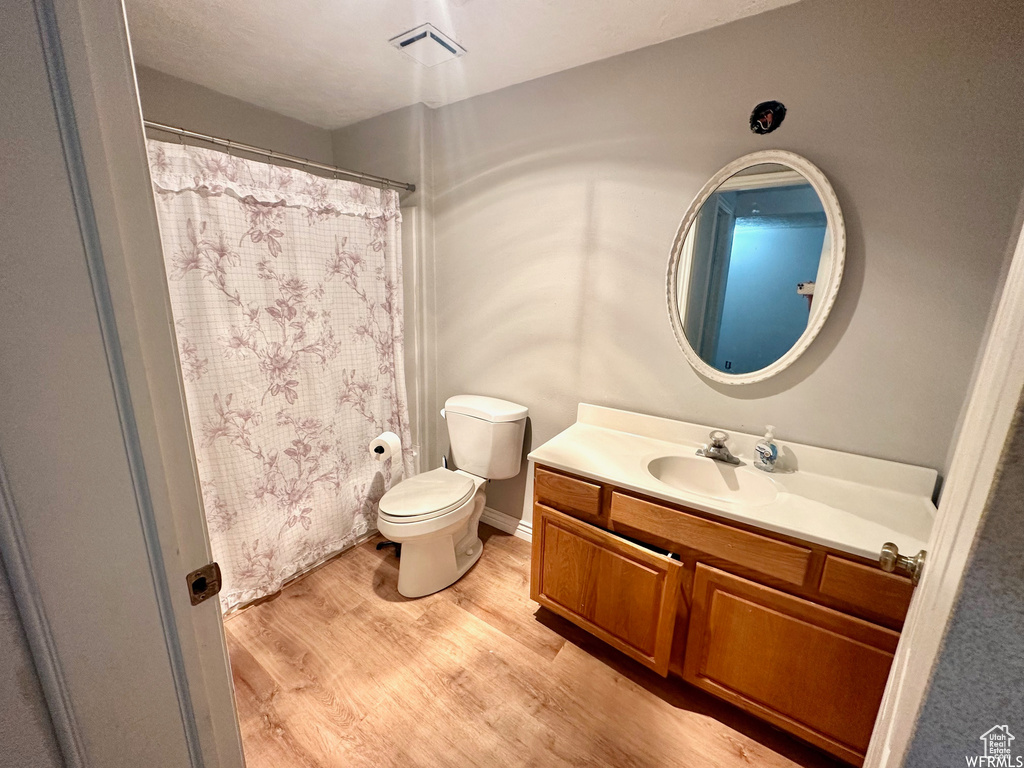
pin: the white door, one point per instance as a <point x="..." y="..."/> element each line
<point x="100" y="518"/>
<point x="991" y="406"/>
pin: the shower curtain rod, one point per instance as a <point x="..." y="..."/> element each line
<point x="354" y="175"/>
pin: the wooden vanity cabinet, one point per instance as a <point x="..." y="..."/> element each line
<point x="798" y="634"/>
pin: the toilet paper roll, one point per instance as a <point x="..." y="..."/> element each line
<point x="386" y="445"/>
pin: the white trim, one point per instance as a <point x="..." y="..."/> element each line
<point x="14" y="551"/>
<point x="990" y="412"/>
<point x="837" y="235"/>
<point x="685" y="275"/>
<point x="521" y="529"/>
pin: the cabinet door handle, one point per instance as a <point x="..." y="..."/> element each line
<point x="891" y="560"/>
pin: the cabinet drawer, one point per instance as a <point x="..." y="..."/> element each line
<point x="870" y="589"/>
<point x="811" y="670"/>
<point x="771" y="557"/>
<point x="568" y="494"/>
<point x="619" y="591"/>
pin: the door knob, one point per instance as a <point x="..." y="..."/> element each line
<point x="891" y="560"/>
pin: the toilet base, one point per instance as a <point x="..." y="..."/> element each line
<point x="431" y="562"/>
<point x="432" y="566"/>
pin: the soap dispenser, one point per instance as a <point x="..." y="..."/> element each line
<point x="767" y="451"/>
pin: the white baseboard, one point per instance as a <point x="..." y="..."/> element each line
<point x="521" y="529"/>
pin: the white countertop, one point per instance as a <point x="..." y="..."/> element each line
<point x="851" y="503"/>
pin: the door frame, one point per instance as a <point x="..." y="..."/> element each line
<point x="102" y="89"/>
<point x="991" y="406"/>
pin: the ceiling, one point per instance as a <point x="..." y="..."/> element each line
<point x="329" y="63"/>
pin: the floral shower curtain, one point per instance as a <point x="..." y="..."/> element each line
<point x="287" y="300"/>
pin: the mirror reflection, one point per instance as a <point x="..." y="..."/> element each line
<point x="752" y="268"/>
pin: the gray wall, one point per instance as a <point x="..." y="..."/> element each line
<point x="394" y="145"/>
<point x="979" y="678"/>
<point x="26" y="733"/>
<point x="539" y="236"/>
<point x="176" y="102"/>
<point x="556" y="202"/>
<point x="397" y="145"/>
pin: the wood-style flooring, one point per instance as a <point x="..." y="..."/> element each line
<point x="340" y="670"/>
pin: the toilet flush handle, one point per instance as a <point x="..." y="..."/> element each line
<point x="442" y="413"/>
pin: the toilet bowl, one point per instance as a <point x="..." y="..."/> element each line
<point x="435" y="516"/>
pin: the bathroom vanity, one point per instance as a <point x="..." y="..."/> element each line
<point x="762" y="589"/>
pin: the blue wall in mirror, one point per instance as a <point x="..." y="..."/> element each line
<point x="763" y="316"/>
<point x="754" y="246"/>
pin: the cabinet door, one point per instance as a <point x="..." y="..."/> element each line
<point x="811" y="670"/>
<point x="621" y="592"/>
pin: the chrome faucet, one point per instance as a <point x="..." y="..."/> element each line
<point x="717" y="449"/>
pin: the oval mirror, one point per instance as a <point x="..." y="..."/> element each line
<point x="755" y="267"/>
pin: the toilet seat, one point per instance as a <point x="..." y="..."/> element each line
<point x="426" y="496"/>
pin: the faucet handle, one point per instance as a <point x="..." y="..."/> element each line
<point x="718" y="438"/>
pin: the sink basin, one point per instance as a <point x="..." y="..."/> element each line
<point x="714" y="479"/>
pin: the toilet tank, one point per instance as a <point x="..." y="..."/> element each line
<point x="486" y="435"/>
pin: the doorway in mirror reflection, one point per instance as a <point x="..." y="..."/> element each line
<point x="757" y="249"/>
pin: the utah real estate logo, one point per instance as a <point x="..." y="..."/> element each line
<point x="998" y="750"/>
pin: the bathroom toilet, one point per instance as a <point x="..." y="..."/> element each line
<point x="435" y="515"/>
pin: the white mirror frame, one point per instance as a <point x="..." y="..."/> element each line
<point x="837" y="242"/>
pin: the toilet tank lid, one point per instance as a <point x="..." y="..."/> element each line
<point x="487" y="408"/>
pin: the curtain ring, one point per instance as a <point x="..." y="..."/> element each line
<point x="230" y="147"/>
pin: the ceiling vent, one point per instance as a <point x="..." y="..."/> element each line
<point x="427" y="45"/>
